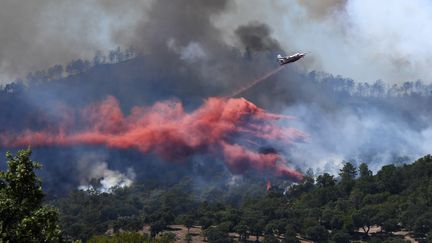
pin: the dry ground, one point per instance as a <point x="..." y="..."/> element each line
<point x="180" y="231"/>
<point x="406" y="235"/>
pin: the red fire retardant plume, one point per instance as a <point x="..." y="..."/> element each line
<point x="227" y="128"/>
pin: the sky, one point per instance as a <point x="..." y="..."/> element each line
<point x="361" y="39"/>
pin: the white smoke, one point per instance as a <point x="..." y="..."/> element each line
<point x="190" y="53"/>
<point x="96" y="175"/>
<point x="395" y="35"/>
<point x="360" y="134"/>
<point x="234" y="180"/>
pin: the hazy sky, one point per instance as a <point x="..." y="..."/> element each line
<point x="362" y="39"/>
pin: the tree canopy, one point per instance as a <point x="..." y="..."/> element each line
<point x="23" y="217"/>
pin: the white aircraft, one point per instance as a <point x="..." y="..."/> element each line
<point x="288" y="59"/>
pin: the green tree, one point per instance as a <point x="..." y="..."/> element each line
<point x="387" y="217"/>
<point x="366" y="181"/>
<point x="270" y="238"/>
<point x="23" y="217"/>
<point x="255" y="222"/>
<point x="325" y="180"/>
<point x="242" y="230"/>
<point x="364" y="218"/>
<point x="317" y="233"/>
<point x="341" y="237"/>
<point x="168" y="237"/>
<point x="429" y="237"/>
<point x="364" y="171"/>
<point x="290" y="235"/>
<point x="157" y="227"/>
<point x="347" y="174"/>
<point x="290" y="232"/>
<point x="332" y="219"/>
<point x="389" y="178"/>
<point x="396" y="240"/>
<point x="131" y="237"/>
<point x="216" y="235"/>
<point x="423" y="225"/>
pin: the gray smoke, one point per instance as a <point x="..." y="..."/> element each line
<point x="357" y="134"/>
<point x="194" y="49"/>
<point x="344" y="36"/>
<point x="38" y="34"/>
<point x="256" y="37"/>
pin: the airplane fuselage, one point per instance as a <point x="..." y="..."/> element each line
<point x="289" y="59"/>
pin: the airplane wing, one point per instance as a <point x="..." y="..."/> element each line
<point x="281" y="58"/>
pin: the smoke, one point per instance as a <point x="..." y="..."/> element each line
<point x="394" y="36"/>
<point x="192" y="50"/>
<point x="219" y="126"/>
<point x="95" y="174"/>
<point x="345" y="36"/>
<point x="358" y="133"/>
<point x="363" y="40"/>
<point x="183" y="57"/>
<point x="255" y="37"/>
<point x="323" y="8"/>
<point x="36" y="35"/>
<point x="256" y="81"/>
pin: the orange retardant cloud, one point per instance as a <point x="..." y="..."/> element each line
<point x="221" y="127"/>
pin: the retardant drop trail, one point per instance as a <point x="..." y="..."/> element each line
<point x="255" y="82"/>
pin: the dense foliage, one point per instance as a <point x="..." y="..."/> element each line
<point x="356" y="205"/>
<point x="322" y="208"/>
<point x="131" y="237"/>
<point x="88" y="213"/>
<point x="23" y="217"/>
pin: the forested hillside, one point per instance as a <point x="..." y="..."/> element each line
<point x="322" y="208"/>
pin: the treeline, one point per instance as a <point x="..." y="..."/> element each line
<point x="376" y="89"/>
<point x="324" y="81"/>
<point x="321" y="80"/>
<point x="78" y="66"/>
<point x="356" y="205"/>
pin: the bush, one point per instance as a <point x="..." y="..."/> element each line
<point x="341" y="237"/>
<point x="317" y="233"/>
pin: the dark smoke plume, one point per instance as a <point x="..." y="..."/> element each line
<point x="256" y="37"/>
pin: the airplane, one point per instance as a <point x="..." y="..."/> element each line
<point x="288" y="59"/>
